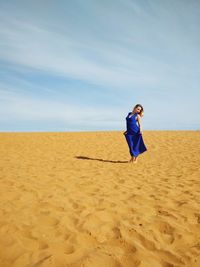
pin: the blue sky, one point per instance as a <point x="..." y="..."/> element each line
<point x="82" y="65"/>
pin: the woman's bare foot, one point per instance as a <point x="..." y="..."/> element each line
<point x="135" y="160"/>
<point x="132" y="159"/>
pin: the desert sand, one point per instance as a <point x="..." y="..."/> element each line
<point x="73" y="200"/>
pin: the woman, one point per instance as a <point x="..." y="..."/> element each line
<point x="133" y="133"/>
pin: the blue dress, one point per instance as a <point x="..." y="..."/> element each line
<point x="133" y="136"/>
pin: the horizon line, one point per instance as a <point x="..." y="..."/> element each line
<point x="84" y="131"/>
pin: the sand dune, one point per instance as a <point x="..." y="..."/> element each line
<point x="71" y="199"/>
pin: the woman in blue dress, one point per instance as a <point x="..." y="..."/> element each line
<point x="133" y="134"/>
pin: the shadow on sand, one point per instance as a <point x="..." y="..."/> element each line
<point x="104" y="160"/>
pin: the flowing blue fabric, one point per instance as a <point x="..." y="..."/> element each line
<point x="133" y="136"/>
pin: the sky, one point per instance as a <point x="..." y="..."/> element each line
<point x="82" y="65"/>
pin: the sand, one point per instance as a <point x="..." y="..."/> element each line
<point x="71" y="199"/>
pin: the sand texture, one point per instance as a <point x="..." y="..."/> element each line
<point x="72" y="200"/>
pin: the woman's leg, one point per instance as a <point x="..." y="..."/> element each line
<point x="132" y="159"/>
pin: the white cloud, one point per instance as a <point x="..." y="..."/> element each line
<point x="24" y="108"/>
<point x="123" y="55"/>
<point x="54" y="53"/>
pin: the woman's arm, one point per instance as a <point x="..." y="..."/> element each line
<point x="139" y="122"/>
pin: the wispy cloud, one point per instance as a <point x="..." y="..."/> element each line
<point x="55" y="53"/>
<point x="22" y="108"/>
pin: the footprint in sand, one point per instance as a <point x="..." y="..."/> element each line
<point x="167" y="231"/>
<point x="162" y="212"/>
<point x="133" y="237"/>
<point x="170" y="258"/>
<point x="69" y="249"/>
<point x="47" y="220"/>
<point x="121" y="181"/>
<point x="75" y="205"/>
<point x="197" y="215"/>
<point x="112" y="204"/>
<point x="62" y="248"/>
<point x="100" y="259"/>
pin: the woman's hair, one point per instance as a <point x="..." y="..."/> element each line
<point x="141" y="113"/>
<point x="142" y="109"/>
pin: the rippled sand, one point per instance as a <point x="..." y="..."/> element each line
<point x="71" y="199"/>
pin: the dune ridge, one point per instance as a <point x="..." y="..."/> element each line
<point x="73" y="200"/>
